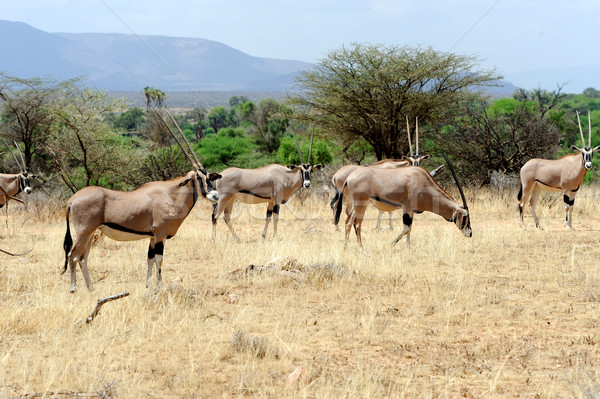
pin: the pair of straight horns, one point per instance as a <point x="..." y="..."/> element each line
<point x="310" y="148"/>
<point x="22" y="168"/>
<point x="581" y="130"/>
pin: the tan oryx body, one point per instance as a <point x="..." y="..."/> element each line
<point x="561" y="175"/>
<point x="154" y="211"/>
<point x="272" y="184"/>
<point x="411" y="189"/>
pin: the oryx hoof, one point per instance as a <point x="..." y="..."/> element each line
<point x="73" y="289"/>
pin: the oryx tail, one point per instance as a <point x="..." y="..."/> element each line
<point x="68" y="243"/>
<point x="338" y="209"/>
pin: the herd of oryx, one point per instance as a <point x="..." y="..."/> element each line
<point x="157" y="209"/>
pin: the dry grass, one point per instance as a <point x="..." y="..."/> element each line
<point x="507" y="313"/>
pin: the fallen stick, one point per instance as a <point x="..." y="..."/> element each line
<point x="11" y="254"/>
<point x="102" y="302"/>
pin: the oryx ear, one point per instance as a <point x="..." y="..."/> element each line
<point x="575" y="148"/>
<point x="185" y="181"/>
<point x="318" y="166"/>
<point x="465" y="212"/>
<point x="405" y="158"/>
<point x="596" y="149"/>
<point x="33" y="176"/>
<point x="425" y="157"/>
<point x="214" y="176"/>
<point x="292" y="167"/>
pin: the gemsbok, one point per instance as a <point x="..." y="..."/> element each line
<point x="4" y="195"/>
<point x="564" y="174"/>
<point x="415" y="159"/>
<point x="273" y="184"/>
<point x="17" y="183"/>
<point x="412" y="189"/>
<point x="155" y="210"/>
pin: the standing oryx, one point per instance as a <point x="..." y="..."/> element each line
<point x="565" y="174"/>
<point x="155" y="211"/>
<point x="412" y="189"/>
<point x="14" y="184"/>
<point x="339" y="178"/>
<point x="273" y="184"/>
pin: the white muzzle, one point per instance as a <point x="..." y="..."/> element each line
<point x="213" y="196"/>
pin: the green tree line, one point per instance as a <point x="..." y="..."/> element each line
<point x="357" y="100"/>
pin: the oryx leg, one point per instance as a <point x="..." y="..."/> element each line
<point x="527" y="190"/>
<point x="84" y="263"/>
<point x="268" y="219"/>
<point x="569" y="198"/>
<point x="275" y="219"/>
<point x="378" y="226"/>
<point x="535" y="195"/>
<point x="391" y="221"/>
<point x="358" y="215"/>
<point x="79" y="251"/>
<point x="151" y="260"/>
<point x="225" y="205"/>
<point x="407" y="219"/>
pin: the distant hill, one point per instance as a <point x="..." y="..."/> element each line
<point x="201" y="72"/>
<point x="124" y="62"/>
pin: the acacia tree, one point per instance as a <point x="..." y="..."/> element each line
<point x="367" y="91"/>
<point x="26" y="116"/>
<point x="269" y="120"/>
<point x="84" y="147"/>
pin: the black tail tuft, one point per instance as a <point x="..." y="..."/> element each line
<point x="68" y="243"/>
<point x="520" y="195"/>
<point x="338" y="209"/>
<point x="336" y="197"/>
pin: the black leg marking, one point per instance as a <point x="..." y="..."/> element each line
<point x="568" y="200"/>
<point x="151" y="252"/>
<point x="276" y="209"/>
<point x="407" y="219"/>
<point x="214" y="212"/>
<point x="159" y="248"/>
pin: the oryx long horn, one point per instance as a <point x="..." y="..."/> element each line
<point x="13" y="154"/>
<point x="298" y="146"/>
<point x="460" y="190"/>
<point x="417" y="136"/>
<point x="580" y="130"/>
<point x="408" y="134"/>
<point x="187" y="143"/>
<point x="9" y="197"/>
<point x="188" y="156"/>
<point x="21" y="155"/>
<point x="311" y="143"/>
<point x="590" y="123"/>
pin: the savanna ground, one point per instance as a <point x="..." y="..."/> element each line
<point x="506" y="313"/>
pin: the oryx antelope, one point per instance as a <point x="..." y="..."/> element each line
<point x="412" y="189"/>
<point x="17" y="183"/>
<point x="564" y="174"/>
<point x="155" y="210"/>
<point x="4" y="195"/>
<point x="272" y="184"/>
<point x="415" y="159"/>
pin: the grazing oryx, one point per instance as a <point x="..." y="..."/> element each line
<point x="15" y="183"/>
<point x="339" y="178"/>
<point x="155" y="210"/>
<point x="564" y="174"/>
<point x="412" y="189"/>
<point x="273" y="184"/>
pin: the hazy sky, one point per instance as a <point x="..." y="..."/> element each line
<point x="514" y="36"/>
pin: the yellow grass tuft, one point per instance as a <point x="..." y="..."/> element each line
<point x="507" y="313"/>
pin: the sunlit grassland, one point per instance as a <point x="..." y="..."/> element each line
<point x="506" y="313"/>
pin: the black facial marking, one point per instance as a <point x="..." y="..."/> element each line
<point x="159" y="248"/>
<point x="568" y="200"/>
<point x="407" y="219"/>
<point x="269" y="213"/>
<point x="276" y="209"/>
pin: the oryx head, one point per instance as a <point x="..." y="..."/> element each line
<point x="305" y="168"/>
<point x="207" y="190"/>
<point x="586" y="151"/>
<point x="415" y="159"/>
<point x="23" y="176"/>
<point x="461" y="216"/>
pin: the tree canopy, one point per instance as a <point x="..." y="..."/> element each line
<point x="366" y="92"/>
